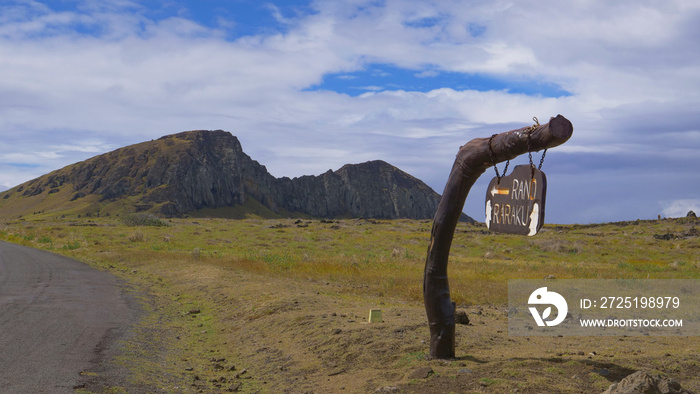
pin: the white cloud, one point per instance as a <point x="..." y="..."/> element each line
<point x="680" y="208"/>
<point x="634" y="76"/>
<point x="427" y="74"/>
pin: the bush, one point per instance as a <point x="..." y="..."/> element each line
<point x="143" y="219"/>
<point x="136" y="237"/>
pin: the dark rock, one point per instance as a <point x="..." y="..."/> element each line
<point x="691" y="214"/>
<point x="461" y="317"/>
<point x="665" y="237"/>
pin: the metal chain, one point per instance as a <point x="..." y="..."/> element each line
<point x="493" y="159"/>
<point x="529" y="150"/>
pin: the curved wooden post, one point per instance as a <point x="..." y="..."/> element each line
<point x="472" y="160"/>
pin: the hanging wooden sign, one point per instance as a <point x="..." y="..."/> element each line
<point x="515" y="204"/>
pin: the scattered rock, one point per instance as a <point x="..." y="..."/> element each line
<point x="194" y="312"/>
<point x="421" y="373"/>
<point x="387" y="389"/>
<point x="665" y="237"/>
<point x="461" y="317"/>
<point x="550" y="277"/>
<point x="642" y="382"/>
<point x="337" y="331"/>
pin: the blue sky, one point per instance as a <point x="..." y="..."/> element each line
<point x="308" y="86"/>
<point x="381" y="77"/>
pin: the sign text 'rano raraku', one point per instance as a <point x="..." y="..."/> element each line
<point x="515" y="205"/>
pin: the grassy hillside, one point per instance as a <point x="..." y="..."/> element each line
<point x="286" y="300"/>
<point x="54" y="195"/>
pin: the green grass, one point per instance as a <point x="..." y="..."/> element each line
<point x="383" y="257"/>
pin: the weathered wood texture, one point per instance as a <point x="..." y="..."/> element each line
<point x="472" y="160"/>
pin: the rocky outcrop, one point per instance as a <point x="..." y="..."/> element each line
<point x="642" y="382"/>
<point x="373" y="189"/>
<point x="183" y="172"/>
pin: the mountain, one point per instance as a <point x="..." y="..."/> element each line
<point x="206" y="173"/>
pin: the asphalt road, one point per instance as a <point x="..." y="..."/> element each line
<point x="58" y="318"/>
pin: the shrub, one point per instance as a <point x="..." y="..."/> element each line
<point x="142" y="219"/>
<point x="136" y="237"/>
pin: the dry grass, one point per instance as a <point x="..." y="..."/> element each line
<point x="273" y="294"/>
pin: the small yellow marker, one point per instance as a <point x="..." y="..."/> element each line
<point x="375" y="315"/>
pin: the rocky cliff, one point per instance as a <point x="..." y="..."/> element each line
<point x="185" y="172"/>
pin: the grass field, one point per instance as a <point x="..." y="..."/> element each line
<point x="286" y="300"/>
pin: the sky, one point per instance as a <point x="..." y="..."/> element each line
<point x="308" y="86"/>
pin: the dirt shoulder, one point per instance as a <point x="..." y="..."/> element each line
<point x="256" y="333"/>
